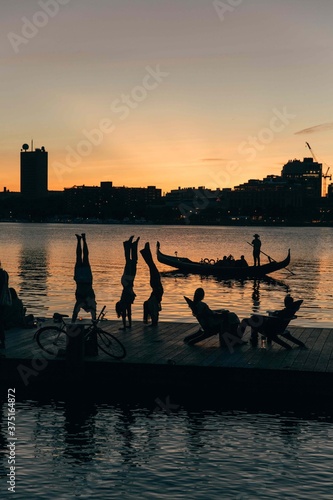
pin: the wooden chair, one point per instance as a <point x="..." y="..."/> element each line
<point x="273" y="326"/>
<point x="210" y="328"/>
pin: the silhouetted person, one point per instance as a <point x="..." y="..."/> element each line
<point x="256" y="243"/>
<point x="228" y="319"/>
<point x="124" y="305"/>
<point x="85" y="295"/>
<point x="291" y="306"/>
<point x="274" y="325"/>
<point x="5" y="300"/>
<point x="152" y="306"/>
<point x="212" y="322"/>
<point x="14" y="315"/>
<point x="241" y="262"/>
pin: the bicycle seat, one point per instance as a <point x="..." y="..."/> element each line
<point x="58" y="317"/>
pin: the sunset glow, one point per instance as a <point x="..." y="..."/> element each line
<point x="178" y="93"/>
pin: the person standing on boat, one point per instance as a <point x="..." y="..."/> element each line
<point x="152" y="306"/>
<point x="124" y="305"/>
<point x="85" y="295"/>
<point x="256" y="243"/>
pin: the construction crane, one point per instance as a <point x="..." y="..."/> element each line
<point x="324" y="176"/>
<point x="314" y="156"/>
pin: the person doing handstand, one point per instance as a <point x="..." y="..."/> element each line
<point x="152" y="306"/>
<point x="85" y="295"/>
<point x="124" y="305"/>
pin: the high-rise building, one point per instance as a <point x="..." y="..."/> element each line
<point x="34" y="172"/>
<point x="307" y="174"/>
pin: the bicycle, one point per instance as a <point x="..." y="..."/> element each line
<point x="53" y="339"/>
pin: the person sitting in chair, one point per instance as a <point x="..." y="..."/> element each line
<point x="5" y="300"/>
<point x="291" y="306"/>
<point x="221" y="322"/>
<point x="275" y="324"/>
<point x="14" y="315"/>
<point x="241" y="262"/>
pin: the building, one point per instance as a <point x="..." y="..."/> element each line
<point x="34" y="172"/>
<point x="307" y="174"/>
<point x="108" y="201"/>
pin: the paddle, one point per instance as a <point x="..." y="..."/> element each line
<point x="271" y="258"/>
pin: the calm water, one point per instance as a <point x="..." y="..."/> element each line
<point x="40" y="262"/>
<point x="77" y="448"/>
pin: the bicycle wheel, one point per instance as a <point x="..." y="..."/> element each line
<point x="110" y="344"/>
<point x="51" y="339"/>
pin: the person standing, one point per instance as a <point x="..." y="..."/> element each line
<point x="5" y="300"/>
<point x="256" y="243"/>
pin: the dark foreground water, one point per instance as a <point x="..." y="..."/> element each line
<point x="88" y="450"/>
<point x="158" y="447"/>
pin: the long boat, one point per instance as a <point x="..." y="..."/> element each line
<point x="207" y="267"/>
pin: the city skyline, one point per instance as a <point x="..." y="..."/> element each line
<point x="182" y="94"/>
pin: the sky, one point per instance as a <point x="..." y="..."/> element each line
<point x="171" y="93"/>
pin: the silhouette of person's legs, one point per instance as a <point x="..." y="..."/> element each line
<point x="85" y="260"/>
<point x="131" y="259"/>
<point x="78" y="250"/>
<point x="85" y="296"/>
<point x="152" y="306"/>
<point x="124" y="306"/>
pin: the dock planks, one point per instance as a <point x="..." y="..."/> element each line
<point x="154" y="352"/>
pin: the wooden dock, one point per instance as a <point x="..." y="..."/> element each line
<point x="158" y="359"/>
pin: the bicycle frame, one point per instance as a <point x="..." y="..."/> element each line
<point x="47" y="337"/>
<point x="91" y="327"/>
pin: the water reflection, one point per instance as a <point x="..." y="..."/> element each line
<point x="137" y="443"/>
<point x="196" y="436"/>
<point x="79" y="448"/>
<point x="256" y="296"/>
<point x="39" y="259"/>
<point x="33" y="273"/>
<point x="79" y="430"/>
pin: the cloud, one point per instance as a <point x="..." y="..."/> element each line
<point x="214" y="159"/>
<point x="317" y="128"/>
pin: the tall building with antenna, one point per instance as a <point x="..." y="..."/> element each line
<point x="34" y="171"/>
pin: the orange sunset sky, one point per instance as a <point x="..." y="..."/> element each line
<point x="167" y="93"/>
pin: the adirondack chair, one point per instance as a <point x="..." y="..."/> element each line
<point x="273" y="327"/>
<point x="222" y="323"/>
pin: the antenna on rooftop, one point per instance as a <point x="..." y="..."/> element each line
<point x="32" y="144"/>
